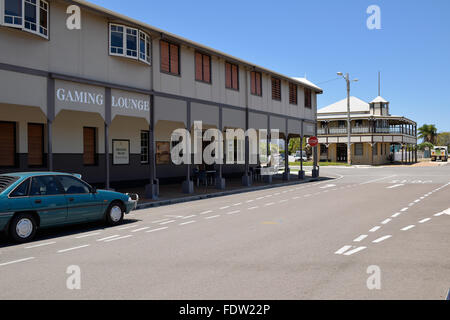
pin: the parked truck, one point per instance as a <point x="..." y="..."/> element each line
<point x="439" y="153"/>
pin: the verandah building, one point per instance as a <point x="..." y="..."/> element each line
<point x="103" y="100"/>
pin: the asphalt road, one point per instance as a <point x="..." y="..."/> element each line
<point x="309" y="241"/>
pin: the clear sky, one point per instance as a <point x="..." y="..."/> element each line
<point x="320" y="37"/>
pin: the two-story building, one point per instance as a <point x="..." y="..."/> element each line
<point x="374" y="133"/>
<point x="103" y="100"/>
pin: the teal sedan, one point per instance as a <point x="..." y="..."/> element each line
<point x="29" y="201"/>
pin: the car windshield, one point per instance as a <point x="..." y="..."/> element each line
<point x="6" y="181"/>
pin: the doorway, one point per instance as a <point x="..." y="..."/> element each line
<point x="341" y="152"/>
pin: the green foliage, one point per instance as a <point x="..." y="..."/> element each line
<point x="443" y="139"/>
<point x="425" y="145"/>
<point x="428" y="132"/>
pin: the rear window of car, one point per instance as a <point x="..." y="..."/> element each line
<point x="6" y="181"/>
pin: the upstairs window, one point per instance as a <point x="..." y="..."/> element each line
<point x="129" y="42"/>
<point x="276" y="89"/>
<point x="28" y="15"/>
<point x="308" y="94"/>
<point x="170" y="58"/>
<point x="292" y="93"/>
<point x="202" y="67"/>
<point x="256" y="85"/>
<point x="231" y="76"/>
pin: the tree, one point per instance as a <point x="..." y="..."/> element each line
<point x="428" y="132"/>
<point x="443" y="139"/>
<point x="425" y="145"/>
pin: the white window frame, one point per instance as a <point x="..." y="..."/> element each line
<point x="22" y="26"/>
<point x="138" y="44"/>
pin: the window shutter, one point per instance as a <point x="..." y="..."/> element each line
<point x="292" y="93"/>
<point x="7" y="144"/>
<point x="234" y="78"/>
<point x="228" y="75"/>
<point x="206" y="68"/>
<point x="165" y="65"/>
<point x="258" y="84"/>
<point x="276" y="89"/>
<point x="253" y="82"/>
<point x="198" y="66"/>
<point x="174" y="68"/>
<point x="35" y="144"/>
<point x="89" y="146"/>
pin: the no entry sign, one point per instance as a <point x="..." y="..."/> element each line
<point x="313" y="141"/>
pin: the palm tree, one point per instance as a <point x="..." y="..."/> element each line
<point x="428" y="132"/>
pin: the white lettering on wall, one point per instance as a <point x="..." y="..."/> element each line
<point x="129" y="103"/>
<point x="76" y="96"/>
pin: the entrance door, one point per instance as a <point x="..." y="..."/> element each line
<point x="341" y="152"/>
<point x="7" y="144"/>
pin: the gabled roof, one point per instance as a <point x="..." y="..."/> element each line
<point x="308" y="83"/>
<point x="379" y="99"/>
<point x="356" y="105"/>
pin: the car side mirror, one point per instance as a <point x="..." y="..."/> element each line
<point x="94" y="190"/>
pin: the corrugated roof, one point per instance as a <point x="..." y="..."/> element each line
<point x="379" y="99"/>
<point x="194" y="44"/>
<point x="356" y="105"/>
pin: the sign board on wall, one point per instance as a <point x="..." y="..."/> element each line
<point x="121" y="152"/>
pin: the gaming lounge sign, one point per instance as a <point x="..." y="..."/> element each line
<point x="80" y="97"/>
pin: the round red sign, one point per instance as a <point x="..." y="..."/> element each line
<point x="313" y="141"/>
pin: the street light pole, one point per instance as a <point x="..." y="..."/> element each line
<point x="349" y="151"/>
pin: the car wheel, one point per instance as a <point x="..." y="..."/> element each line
<point x="23" y="228"/>
<point x="115" y="213"/>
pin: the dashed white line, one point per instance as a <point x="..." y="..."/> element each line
<point x="40" y="245"/>
<point x="212" y="217"/>
<point x="159" y="229"/>
<point x="167" y="222"/>
<point x="158" y="221"/>
<point x="408" y="227"/>
<point x="386" y="221"/>
<point x="439" y="214"/>
<point x="249" y="201"/>
<point x="424" y="220"/>
<point x="74" y="248"/>
<point x="140" y="229"/>
<point x="381" y="239"/>
<point x="342" y="250"/>
<point x="110" y="237"/>
<point x="237" y="204"/>
<point x="88" y="235"/>
<point x="282" y="201"/>
<point x="188" y="217"/>
<point x="295" y="198"/>
<point x="206" y="212"/>
<point x="375" y="229"/>
<point x="223" y="208"/>
<point x="119" y="238"/>
<point x="187" y="222"/>
<point x="395" y="186"/>
<point x="233" y="212"/>
<point x="360" y="238"/>
<point x="129" y="227"/>
<point x="349" y="253"/>
<point x="253" y="208"/>
<point x="260" y="198"/>
<point x="16" y="261"/>
<point x="404" y="209"/>
<point x="269" y="204"/>
<point x="396" y="215"/>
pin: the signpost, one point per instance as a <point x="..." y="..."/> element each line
<point x="313" y="141"/>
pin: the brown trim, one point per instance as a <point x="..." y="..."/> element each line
<point x="95" y="154"/>
<point x="42" y="155"/>
<point x="15" y="155"/>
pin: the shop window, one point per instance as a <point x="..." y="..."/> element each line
<point x="144" y="147"/>
<point x="28" y="15"/>
<point x="89" y="146"/>
<point x="7" y="144"/>
<point x="323" y="150"/>
<point x="129" y="42"/>
<point x="35" y="145"/>
<point x="359" y="149"/>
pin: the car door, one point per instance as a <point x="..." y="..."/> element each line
<point x="82" y="204"/>
<point x="48" y="200"/>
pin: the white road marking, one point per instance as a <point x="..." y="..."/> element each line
<point x="260" y="198"/>
<point x="395" y="186"/>
<point x="424" y="220"/>
<point x="253" y="208"/>
<point x="140" y="229"/>
<point x="110" y="237"/>
<point x="74" y="248"/>
<point x="159" y="229"/>
<point x="212" y="217"/>
<point x="295" y="198"/>
<point x="119" y="238"/>
<point x="381" y="239"/>
<point x="396" y="215"/>
<point x="158" y="221"/>
<point x="249" y="201"/>
<point x="206" y="212"/>
<point x="418" y="200"/>
<point x="281" y="201"/>
<point x="408" y="227"/>
<point x="328" y="186"/>
<point x="129" y="227"/>
<point x="223" y="208"/>
<point x="16" y="261"/>
<point x="307" y="195"/>
<point x="40" y="245"/>
<point x="375" y="180"/>
<point x="349" y="253"/>
<point x="375" y="229"/>
<point x="411" y="204"/>
<point x="88" y="235"/>
<point x="233" y="212"/>
<point x="386" y="221"/>
<point x="185" y="223"/>
<point x="268" y="196"/>
<point x="187" y="217"/>
<point x="404" y="209"/>
<point x="439" y="214"/>
<point x="173" y="216"/>
<point x="361" y="238"/>
<point x="269" y="204"/>
<point x="447" y="212"/>
<point x="167" y="222"/>
<point x="237" y="204"/>
<point x="342" y="250"/>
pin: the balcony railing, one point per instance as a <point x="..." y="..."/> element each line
<point x="363" y="130"/>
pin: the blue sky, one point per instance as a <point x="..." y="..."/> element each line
<point x="319" y="38"/>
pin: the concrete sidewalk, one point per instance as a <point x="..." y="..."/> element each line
<point x="171" y="193"/>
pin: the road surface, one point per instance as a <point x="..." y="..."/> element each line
<point x="308" y="241"/>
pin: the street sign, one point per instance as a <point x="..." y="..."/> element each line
<point x="313" y="141"/>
